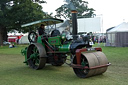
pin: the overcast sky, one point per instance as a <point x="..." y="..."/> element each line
<point x="113" y="12"/>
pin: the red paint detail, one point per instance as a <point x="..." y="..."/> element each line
<point x="49" y="48"/>
<point x="98" y="49"/>
<point x="101" y="66"/>
<point x="78" y="55"/>
<point x="86" y="67"/>
<point x="36" y="37"/>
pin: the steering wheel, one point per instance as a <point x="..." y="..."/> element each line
<point x="32" y="37"/>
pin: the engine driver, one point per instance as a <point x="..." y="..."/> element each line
<point x="41" y="30"/>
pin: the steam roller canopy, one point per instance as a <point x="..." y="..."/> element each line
<point x="93" y="59"/>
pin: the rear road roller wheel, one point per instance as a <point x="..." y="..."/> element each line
<point x="78" y="71"/>
<point x="35" y="56"/>
<point x="91" y="60"/>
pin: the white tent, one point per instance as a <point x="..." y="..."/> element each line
<point x="123" y="27"/>
<point x="24" y="40"/>
<point x="17" y="33"/>
<point x="118" y="36"/>
<point x="61" y="26"/>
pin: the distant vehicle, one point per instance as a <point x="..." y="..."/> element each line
<point x="6" y="43"/>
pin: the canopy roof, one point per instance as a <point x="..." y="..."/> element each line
<point x="123" y="27"/>
<point x="49" y="21"/>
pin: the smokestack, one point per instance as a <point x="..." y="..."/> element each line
<point x="74" y="24"/>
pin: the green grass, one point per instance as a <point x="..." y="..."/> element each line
<point x="16" y="50"/>
<point x="14" y="72"/>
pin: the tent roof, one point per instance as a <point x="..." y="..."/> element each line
<point x="123" y="27"/>
<point x="65" y="24"/>
<point x="109" y="28"/>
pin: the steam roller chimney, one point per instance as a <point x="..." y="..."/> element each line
<point x="74" y="24"/>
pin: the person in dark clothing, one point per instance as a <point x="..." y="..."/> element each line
<point x="41" y="30"/>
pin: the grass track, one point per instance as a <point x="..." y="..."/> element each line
<point x="14" y="72"/>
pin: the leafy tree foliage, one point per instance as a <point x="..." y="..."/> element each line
<point x="14" y="13"/>
<point x="3" y="11"/>
<point x="81" y="7"/>
<point x="24" y="11"/>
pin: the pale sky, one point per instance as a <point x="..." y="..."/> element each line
<point x="113" y="12"/>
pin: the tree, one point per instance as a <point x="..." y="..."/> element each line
<point x="14" y="13"/>
<point x="81" y="7"/>
<point x="3" y="19"/>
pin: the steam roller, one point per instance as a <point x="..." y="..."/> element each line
<point x="55" y="48"/>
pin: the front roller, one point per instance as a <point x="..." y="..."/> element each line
<point x="36" y="56"/>
<point x="88" y="64"/>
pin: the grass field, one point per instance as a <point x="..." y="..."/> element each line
<point x="14" y="72"/>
